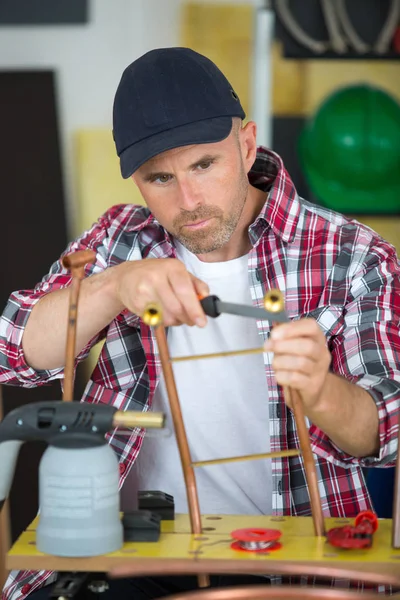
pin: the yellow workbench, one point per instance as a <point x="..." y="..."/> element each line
<point x="179" y="551"/>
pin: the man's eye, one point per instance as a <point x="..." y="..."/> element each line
<point x="162" y="178"/>
<point x="205" y="165"/>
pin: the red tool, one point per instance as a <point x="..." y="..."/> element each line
<point x="355" y="536"/>
<point x="256" y="540"/>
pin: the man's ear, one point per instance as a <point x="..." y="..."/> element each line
<point x="248" y="144"/>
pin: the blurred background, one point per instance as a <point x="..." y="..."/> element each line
<point x="321" y="78"/>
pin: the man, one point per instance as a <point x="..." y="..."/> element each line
<point x="222" y="217"/>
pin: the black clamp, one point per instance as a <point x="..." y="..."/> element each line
<point x="157" y="502"/>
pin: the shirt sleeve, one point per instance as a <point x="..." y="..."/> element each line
<point x="366" y="350"/>
<point x="14" y="369"/>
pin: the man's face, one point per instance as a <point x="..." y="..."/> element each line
<point x="197" y="193"/>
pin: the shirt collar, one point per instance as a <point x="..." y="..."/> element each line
<point x="282" y="207"/>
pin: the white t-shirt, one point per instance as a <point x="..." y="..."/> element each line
<point x="224" y="404"/>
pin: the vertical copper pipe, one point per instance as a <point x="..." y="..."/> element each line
<point x="396" y="501"/>
<point x="183" y="446"/>
<point x="274" y="301"/>
<point x="294" y="398"/>
<point x="68" y="390"/>
<point x="76" y="263"/>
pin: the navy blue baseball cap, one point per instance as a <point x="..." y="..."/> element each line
<point x="167" y="98"/>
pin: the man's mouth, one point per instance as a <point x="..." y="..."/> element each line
<point x="197" y="224"/>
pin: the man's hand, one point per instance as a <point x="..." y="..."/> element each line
<point x="131" y="285"/>
<point x="301" y="358"/>
<point x="343" y="410"/>
<point x="165" y="281"/>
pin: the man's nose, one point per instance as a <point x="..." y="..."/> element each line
<point x="189" y="196"/>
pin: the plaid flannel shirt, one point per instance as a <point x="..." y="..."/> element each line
<point x="328" y="267"/>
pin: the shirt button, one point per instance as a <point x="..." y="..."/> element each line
<point x="280" y="488"/>
<point x="26" y="588"/>
<point x="122" y="468"/>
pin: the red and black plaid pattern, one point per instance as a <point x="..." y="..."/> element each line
<point x="329" y="268"/>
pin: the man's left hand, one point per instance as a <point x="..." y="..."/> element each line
<point x="301" y="358"/>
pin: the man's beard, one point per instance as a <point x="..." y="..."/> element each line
<point x="215" y="234"/>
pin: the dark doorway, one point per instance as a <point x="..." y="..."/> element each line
<point x="33" y="233"/>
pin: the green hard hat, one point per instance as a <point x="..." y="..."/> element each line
<point x="349" y="151"/>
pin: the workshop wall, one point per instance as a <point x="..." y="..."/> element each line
<point x="98" y="180"/>
<point x="87" y="60"/>
<point x="61" y="187"/>
<point x="298" y="86"/>
<point x="55" y="79"/>
<point x="224" y="31"/>
<point x="84" y="62"/>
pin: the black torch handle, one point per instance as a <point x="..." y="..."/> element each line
<point x="214" y="307"/>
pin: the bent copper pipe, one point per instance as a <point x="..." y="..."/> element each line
<point x="76" y="264"/>
<point x="293" y="397"/>
<point x="183" y="446"/>
<point x="274" y="305"/>
<point x="372" y="573"/>
<point x="78" y="260"/>
<point x="267" y="592"/>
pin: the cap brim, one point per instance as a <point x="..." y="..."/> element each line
<point x="202" y="132"/>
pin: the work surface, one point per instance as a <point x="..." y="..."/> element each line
<point x="178" y="551"/>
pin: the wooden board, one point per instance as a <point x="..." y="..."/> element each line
<point x="179" y="551"/>
<point x="99" y="181"/>
<point x="99" y="186"/>
<point x="223" y="33"/>
<point x="387" y="227"/>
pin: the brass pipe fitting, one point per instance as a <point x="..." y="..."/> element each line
<point x="152" y="315"/>
<point x="274" y="301"/>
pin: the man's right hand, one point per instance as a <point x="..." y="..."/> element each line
<point x="131" y="285"/>
<point x="165" y="281"/>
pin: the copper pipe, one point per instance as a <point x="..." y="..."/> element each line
<point x="275" y="301"/>
<point x="180" y="432"/>
<point x="69" y="370"/>
<point x="358" y="570"/>
<point x="218" y="354"/>
<point x="79" y="259"/>
<point x="133" y="418"/>
<point x="293" y="397"/>
<point x="268" y="592"/>
<point x="218" y="461"/>
<point x="76" y="264"/>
